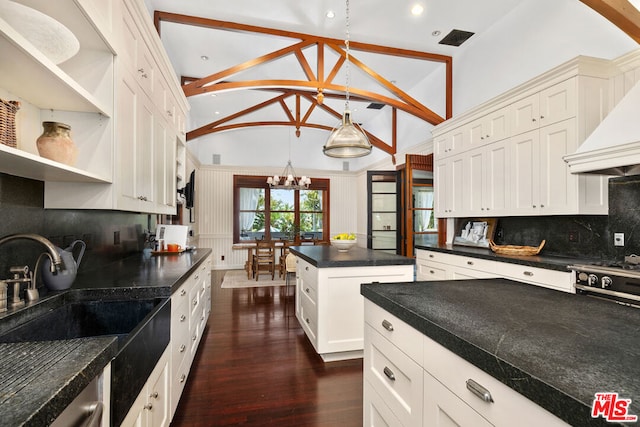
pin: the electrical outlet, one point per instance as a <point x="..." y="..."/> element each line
<point x="221" y="257"/>
<point x="618" y="239"/>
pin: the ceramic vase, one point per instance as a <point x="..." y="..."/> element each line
<point x="56" y="144"/>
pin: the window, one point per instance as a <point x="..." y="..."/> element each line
<point x="264" y="213"/>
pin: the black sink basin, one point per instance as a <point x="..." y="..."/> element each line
<point x="85" y="319"/>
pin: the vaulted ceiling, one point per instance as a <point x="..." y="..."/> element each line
<point x="250" y="65"/>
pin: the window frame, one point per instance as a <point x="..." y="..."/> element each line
<point x="255" y="181"/>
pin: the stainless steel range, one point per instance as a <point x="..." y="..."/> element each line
<point x="616" y="281"/>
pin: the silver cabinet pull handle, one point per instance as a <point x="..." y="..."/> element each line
<point x="528" y="273"/>
<point x="182" y="348"/>
<point x="389" y="373"/>
<point x="432" y="272"/>
<point x="183" y="317"/>
<point x="95" y="415"/>
<point x="154" y="395"/>
<point x="148" y="406"/>
<point x="183" y="292"/>
<point x="469" y="262"/>
<point x="387" y="325"/>
<point x="182" y="378"/>
<point x="479" y="391"/>
<point x="430" y="256"/>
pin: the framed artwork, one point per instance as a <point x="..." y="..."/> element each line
<point x="475" y="232"/>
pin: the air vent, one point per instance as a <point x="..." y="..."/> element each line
<point x="216" y="159"/>
<point x="456" y="37"/>
<point x="345" y="166"/>
<point x="375" y="106"/>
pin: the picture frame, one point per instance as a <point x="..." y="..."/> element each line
<point x="475" y="232"/>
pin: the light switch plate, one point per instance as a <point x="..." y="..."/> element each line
<point x="618" y="239"/>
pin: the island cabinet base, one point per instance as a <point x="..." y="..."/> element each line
<point x="330" y="308"/>
<point x="410" y="380"/>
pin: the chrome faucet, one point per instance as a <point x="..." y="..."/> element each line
<point x="57" y="265"/>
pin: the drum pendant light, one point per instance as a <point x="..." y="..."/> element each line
<point x="347" y="140"/>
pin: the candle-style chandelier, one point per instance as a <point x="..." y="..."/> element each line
<point x="289" y="180"/>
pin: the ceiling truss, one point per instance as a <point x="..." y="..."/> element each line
<point x="317" y="85"/>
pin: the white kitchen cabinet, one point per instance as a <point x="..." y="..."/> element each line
<point x="151" y="407"/>
<point x="190" y="308"/>
<point x="63" y="92"/>
<point x="433" y="265"/>
<point x="488" y="185"/>
<point x="449" y="174"/>
<point x="149" y="115"/>
<point x="410" y="380"/>
<point x="329" y="306"/>
<point x="446" y="392"/>
<point x="533" y="127"/>
<point x="451" y="143"/>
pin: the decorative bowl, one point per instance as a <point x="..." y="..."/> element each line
<point x="343" y="245"/>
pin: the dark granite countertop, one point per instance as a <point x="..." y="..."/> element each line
<point x="542" y="261"/>
<point x="326" y="256"/>
<point x="556" y="349"/>
<point x="41" y="401"/>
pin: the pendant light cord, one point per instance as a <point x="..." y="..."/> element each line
<point x="347" y="69"/>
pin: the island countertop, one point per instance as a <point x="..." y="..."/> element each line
<point x="325" y="256"/>
<point x="554" y="348"/>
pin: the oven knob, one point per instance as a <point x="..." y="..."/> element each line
<point x="606" y="282"/>
<point x="583" y="277"/>
<point x="593" y="280"/>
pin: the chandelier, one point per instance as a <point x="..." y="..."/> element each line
<point x="348" y="139"/>
<point x="288" y="180"/>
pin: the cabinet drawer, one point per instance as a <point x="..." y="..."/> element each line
<point x="307" y="272"/>
<point x="554" y="279"/>
<point x="430" y="271"/>
<point x="443" y="408"/>
<point x="376" y="412"/>
<point x="307" y="289"/>
<point x="508" y="405"/>
<point x="394" y="376"/>
<point x="194" y="305"/>
<point x="395" y="330"/>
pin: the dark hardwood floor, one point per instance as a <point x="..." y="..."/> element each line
<point x="255" y="367"/>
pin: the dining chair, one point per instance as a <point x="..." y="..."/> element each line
<point x="264" y="259"/>
<point x="290" y="272"/>
<point x="284" y="251"/>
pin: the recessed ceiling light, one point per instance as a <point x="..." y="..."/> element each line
<point x="214" y="95"/>
<point x="435" y="33"/>
<point x="330" y="14"/>
<point x="216" y="113"/>
<point x="417" y="9"/>
<point x="204" y="57"/>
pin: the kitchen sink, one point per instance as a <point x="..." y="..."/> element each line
<point x="141" y="325"/>
<point x="85" y="319"/>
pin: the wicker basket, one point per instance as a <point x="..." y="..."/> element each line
<point x="8" y="111"/>
<point x="516" y="250"/>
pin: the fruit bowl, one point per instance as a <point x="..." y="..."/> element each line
<point x="343" y="245"/>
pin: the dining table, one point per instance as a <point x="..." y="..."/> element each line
<point x="250" y="247"/>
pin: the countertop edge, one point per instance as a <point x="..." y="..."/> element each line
<point x="555" y="401"/>
<point x="541" y="261"/>
<point x="331" y="258"/>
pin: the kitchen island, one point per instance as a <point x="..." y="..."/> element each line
<point x="328" y="302"/>
<point x="47" y="384"/>
<point x="555" y="349"/>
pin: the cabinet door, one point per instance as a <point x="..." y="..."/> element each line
<point x="496" y="125"/>
<point x="144" y="154"/>
<point x="558" y="187"/>
<point x="159" y="161"/>
<point x="159" y="398"/>
<point x="525" y="114"/>
<point x="524" y="190"/>
<point x="558" y="102"/>
<point x="495" y="182"/>
<point x="476" y="172"/>
<point x="127" y="106"/>
<point x="449" y="197"/>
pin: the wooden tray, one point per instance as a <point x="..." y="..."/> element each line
<point x="167" y="252"/>
<point x="515" y="249"/>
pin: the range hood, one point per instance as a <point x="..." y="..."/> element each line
<point x="613" y="148"/>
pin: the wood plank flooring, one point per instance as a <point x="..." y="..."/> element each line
<point x="255" y="367"/>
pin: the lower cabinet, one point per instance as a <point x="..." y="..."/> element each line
<point x="431" y="265"/>
<point x="190" y="308"/>
<point x="329" y="306"/>
<point x="151" y="408"/>
<point x="410" y="380"/>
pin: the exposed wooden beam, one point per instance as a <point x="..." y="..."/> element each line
<point x="621" y="13"/>
<point x="323" y="86"/>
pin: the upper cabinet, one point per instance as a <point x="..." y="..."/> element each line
<point x="505" y="157"/>
<point x="130" y="130"/>
<point x="77" y="91"/>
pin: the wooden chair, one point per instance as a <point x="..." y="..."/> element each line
<point x="264" y="259"/>
<point x="284" y="251"/>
